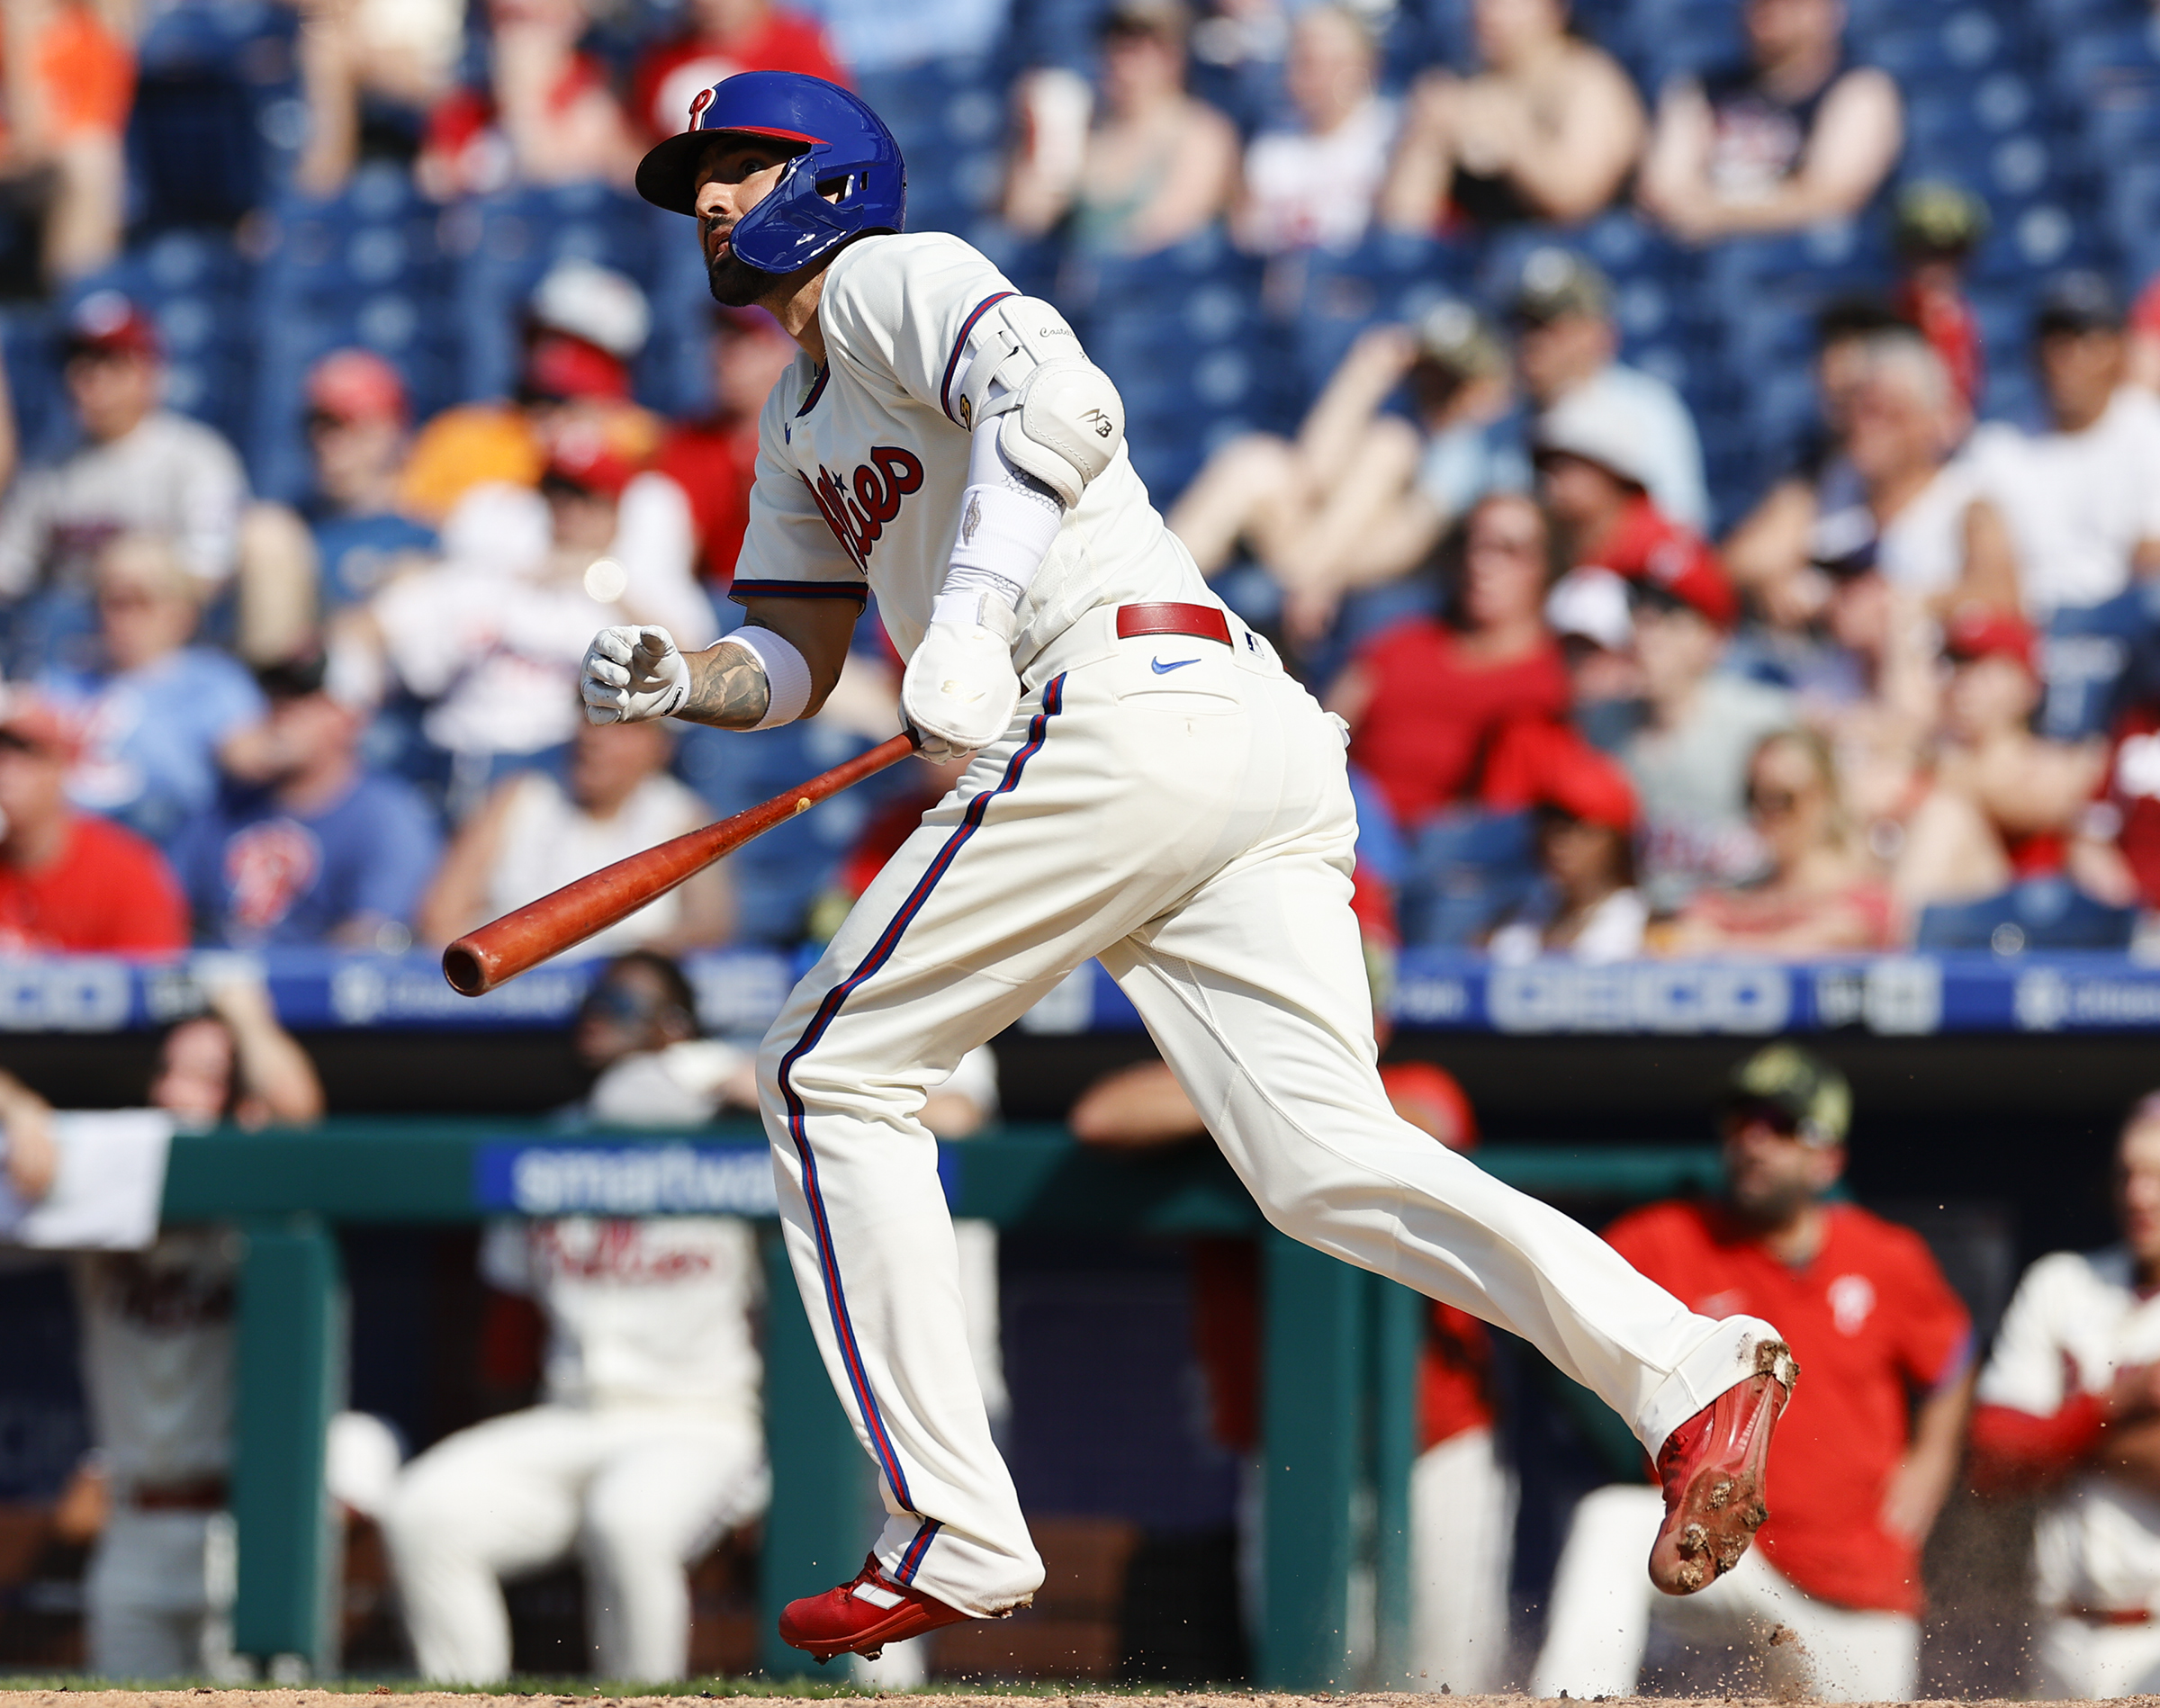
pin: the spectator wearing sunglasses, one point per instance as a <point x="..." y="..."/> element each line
<point x="1875" y="1325"/>
<point x="1821" y="891"/>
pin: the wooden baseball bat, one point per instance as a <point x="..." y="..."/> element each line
<point x="480" y="960"/>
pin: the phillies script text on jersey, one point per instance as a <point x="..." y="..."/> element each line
<point x="858" y="522"/>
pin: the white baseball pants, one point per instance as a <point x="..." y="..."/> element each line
<point x="157" y="1596"/>
<point x="1178" y="809"/>
<point x="1462" y="1542"/>
<point x="2085" y="1662"/>
<point x="1598" y="1622"/>
<point x="637" y="1492"/>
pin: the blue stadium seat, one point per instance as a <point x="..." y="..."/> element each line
<point x="2041" y="913"/>
<point x="1466" y="869"/>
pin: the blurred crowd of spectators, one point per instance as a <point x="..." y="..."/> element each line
<point x="1909" y="696"/>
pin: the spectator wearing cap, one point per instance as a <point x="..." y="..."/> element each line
<point x="1544" y="130"/>
<point x="1361" y="497"/>
<point x="1588" y="907"/>
<point x="715" y="461"/>
<point x="492" y="636"/>
<point x="1922" y="519"/>
<point x="1797" y="136"/>
<point x="2082" y="499"/>
<point x="584" y="325"/>
<point x="1774" y="555"/>
<point x="1864" y="1468"/>
<point x="141" y="468"/>
<point x="1313" y="185"/>
<point x="1154" y="166"/>
<point x="1821" y="891"/>
<point x="71" y="882"/>
<point x="70" y="80"/>
<point x="350" y="535"/>
<point x="719" y="39"/>
<point x="2007" y="804"/>
<point x="544" y="114"/>
<point x="1566" y="345"/>
<point x="316" y="847"/>
<point x="156" y="714"/>
<point x="535" y="834"/>
<point x="1689" y="756"/>
<point x="1591" y="616"/>
<point x="1426" y="698"/>
<point x="1935" y="228"/>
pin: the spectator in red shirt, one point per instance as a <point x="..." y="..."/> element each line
<point x="1870" y="1317"/>
<point x="69" y="881"/>
<point x="715" y="461"/>
<point x="724" y="37"/>
<point x="1426" y="699"/>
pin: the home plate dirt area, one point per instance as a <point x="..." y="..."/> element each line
<point x="56" y="1695"/>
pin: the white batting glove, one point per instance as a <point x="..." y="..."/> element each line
<point x="960" y="690"/>
<point x="633" y="674"/>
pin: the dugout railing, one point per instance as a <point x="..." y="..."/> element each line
<point x="1338" y="1409"/>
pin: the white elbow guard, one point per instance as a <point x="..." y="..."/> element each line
<point x="1062" y="420"/>
<point x="787" y="674"/>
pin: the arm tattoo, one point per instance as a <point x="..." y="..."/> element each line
<point x="728" y="689"/>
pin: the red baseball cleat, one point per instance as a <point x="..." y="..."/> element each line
<point x="1711" y="1467"/>
<point x="860" y="1618"/>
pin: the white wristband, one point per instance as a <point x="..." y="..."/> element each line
<point x="787" y="674"/>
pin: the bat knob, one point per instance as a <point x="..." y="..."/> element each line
<point x="803" y="804"/>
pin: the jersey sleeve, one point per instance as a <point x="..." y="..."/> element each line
<point x="2028" y="1370"/>
<point x="902" y="316"/>
<point x="797" y="545"/>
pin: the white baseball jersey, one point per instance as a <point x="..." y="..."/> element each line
<point x="157" y="1355"/>
<point x="639" y="1311"/>
<point x="2077" y="1317"/>
<point x="862" y="462"/>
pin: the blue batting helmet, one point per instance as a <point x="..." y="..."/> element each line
<point x="845" y="147"/>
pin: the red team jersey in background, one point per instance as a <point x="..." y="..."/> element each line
<point x="1871" y="1321"/>
<point x="109" y="892"/>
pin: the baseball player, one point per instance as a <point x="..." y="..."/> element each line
<point x="1149" y="787"/>
<point x="2069" y="1405"/>
<point x="1835" y="1588"/>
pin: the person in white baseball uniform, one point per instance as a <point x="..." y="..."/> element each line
<point x="1149" y="787"/>
<point x="2069" y="1406"/>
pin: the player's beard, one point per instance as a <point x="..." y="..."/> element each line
<point x="735" y="284"/>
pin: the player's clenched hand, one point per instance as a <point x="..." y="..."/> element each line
<point x="632" y="674"/>
<point x="960" y="690"/>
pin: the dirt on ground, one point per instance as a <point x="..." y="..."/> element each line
<point x="341" y="1696"/>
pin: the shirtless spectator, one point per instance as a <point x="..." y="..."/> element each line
<point x="1771" y="553"/>
<point x="140" y="467"/>
<point x="546" y="113"/>
<point x="1545" y="130"/>
<point x="1798" y="136"/>
<point x="1922" y="519"/>
<point x="1362" y="497"/>
<point x="535" y="834"/>
<point x="2007" y="804"/>
<point x="1426" y="698"/>
<point x="1822" y="892"/>
<point x="66" y="78"/>
<point x="156" y="714"/>
<point x="1588" y="909"/>
<point x="1567" y="345"/>
<point x="1154" y="165"/>
<point x="354" y="55"/>
<point x="721" y="38"/>
<point x="1314" y="186"/>
<point x="354" y="532"/>
<point x="70" y="882"/>
<point x="2069" y="1409"/>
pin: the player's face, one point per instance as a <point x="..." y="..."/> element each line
<point x="1771" y="1173"/>
<point x="2137" y="1191"/>
<point x="736" y="175"/>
